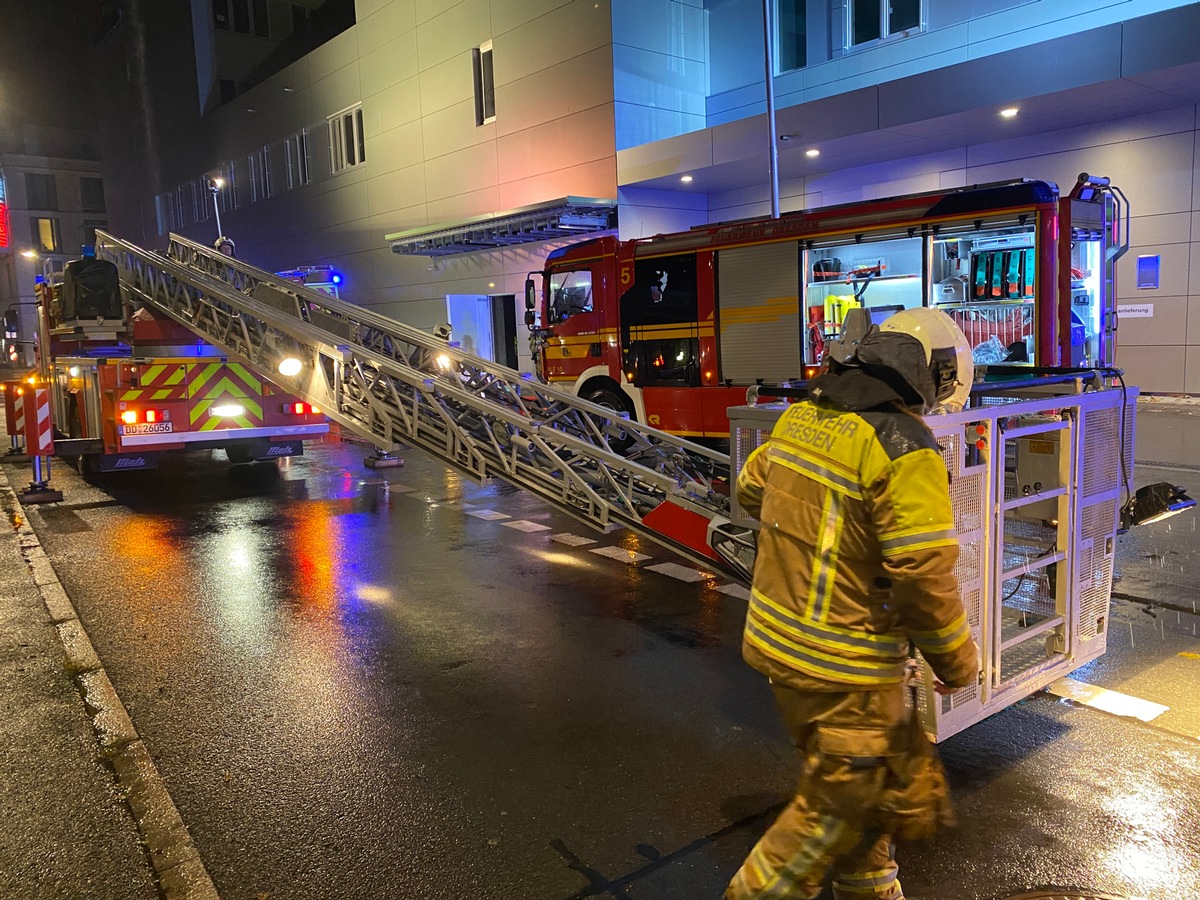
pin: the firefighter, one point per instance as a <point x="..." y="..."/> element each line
<point x="855" y="563"/>
<point x="225" y="246"/>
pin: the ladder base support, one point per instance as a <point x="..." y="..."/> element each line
<point x="382" y="462"/>
<point x="40" y="495"/>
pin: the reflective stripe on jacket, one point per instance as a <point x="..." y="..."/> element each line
<point x="856" y="553"/>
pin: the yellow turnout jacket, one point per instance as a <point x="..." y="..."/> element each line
<point x="856" y="553"/>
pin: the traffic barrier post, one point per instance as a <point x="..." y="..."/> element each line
<point x="33" y="409"/>
<point x="16" y="430"/>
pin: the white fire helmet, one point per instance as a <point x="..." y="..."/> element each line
<point x="947" y="353"/>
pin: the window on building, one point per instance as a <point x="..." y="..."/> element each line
<point x="244" y="16"/>
<point x="241" y="16"/>
<point x="485" y="84"/>
<point x="88" y="230"/>
<point x="295" y="150"/>
<point x="260" y="175"/>
<point x="346" y="145"/>
<point x="229" y="193"/>
<point x="46" y="236"/>
<point x="791" y="34"/>
<point x="41" y="191"/>
<point x="91" y="194"/>
<point x="201" y="200"/>
<point x="258" y="12"/>
<point x="871" y="20"/>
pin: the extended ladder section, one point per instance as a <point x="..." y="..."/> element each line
<point x="393" y="384"/>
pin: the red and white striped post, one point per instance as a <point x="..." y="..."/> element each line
<point x="16" y="432"/>
<point x="33" y="411"/>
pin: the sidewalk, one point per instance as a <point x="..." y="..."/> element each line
<point x="65" y="829"/>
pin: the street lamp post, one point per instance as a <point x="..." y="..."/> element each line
<point x="215" y="185"/>
<point x="773" y="150"/>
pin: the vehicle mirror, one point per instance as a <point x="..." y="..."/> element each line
<point x="529" y="318"/>
<point x="530" y="294"/>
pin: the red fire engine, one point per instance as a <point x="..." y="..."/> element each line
<point x="673" y="329"/>
<point x="127" y="387"/>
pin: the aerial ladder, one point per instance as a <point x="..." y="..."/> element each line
<point x="392" y="384"/>
<point x="1040" y="463"/>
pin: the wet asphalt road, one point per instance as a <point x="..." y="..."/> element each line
<point x="354" y="686"/>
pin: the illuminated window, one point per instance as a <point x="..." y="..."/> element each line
<point x="871" y="20"/>
<point x="295" y="151"/>
<point x="46" y="236"/>
<point x="791" y="34"/>
<point x="485" y="84"/>
<point x="347" y="148"/>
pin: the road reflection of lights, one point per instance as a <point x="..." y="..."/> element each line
<point x="239" y="558"/>
<point x="373" y="594"/>
<point x="1149" y="854"/>
<point x="558" y="558"/>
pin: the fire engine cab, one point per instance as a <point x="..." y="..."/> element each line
<point x="128" y="385"/>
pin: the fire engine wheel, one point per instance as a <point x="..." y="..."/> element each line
<point x="610" y="399"/>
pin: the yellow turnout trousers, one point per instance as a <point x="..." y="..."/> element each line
<point x="853" y="745"/>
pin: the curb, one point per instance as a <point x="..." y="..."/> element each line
<point x="176" y="861"/>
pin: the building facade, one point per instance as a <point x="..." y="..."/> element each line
<point x="434" y="115"/>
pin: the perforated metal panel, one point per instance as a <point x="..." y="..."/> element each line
<point x="1102" y="437"/>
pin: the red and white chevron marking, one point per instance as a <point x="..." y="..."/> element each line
<point x="34" y="408"/>
<point x="18" y="426"/>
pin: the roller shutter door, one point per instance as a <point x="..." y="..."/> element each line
<point x="758" y="311"/>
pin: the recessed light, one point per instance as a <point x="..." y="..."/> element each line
<point x="686" y="179"/>
<point x="813" y="153"/>
<point x="1010" y="112"/>
<point x="288" y="90"/>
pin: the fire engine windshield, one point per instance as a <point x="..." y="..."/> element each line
<point x="570" y="294"/>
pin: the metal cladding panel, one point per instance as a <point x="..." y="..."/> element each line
<point x="758" y="308"/>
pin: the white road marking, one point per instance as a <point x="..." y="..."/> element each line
<point x="1113" y="702"/>
<point x="489" y="515"/>
<point x="620" y="554"/>
<point x="572" y="540"/>
<point x="527" y="527"/>
<point x="735" y="590"/>
<point x="678" y="572"/>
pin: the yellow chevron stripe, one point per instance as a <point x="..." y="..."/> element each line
<point x="202" y="375"/>
<point x="151" y="375"/>
<point x="177" y="376"/>
<point x="131" y="394"/>
<point x="162" y="395"/>
<point x="253" y="383"/>
<point x="226" y="386"/>
<point x="213" y="424"/>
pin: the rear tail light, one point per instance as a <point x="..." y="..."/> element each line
<point x="300" y="409"/>
<point x="150" y="416"/>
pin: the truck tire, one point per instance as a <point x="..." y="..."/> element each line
<point x="610" y="399"/>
